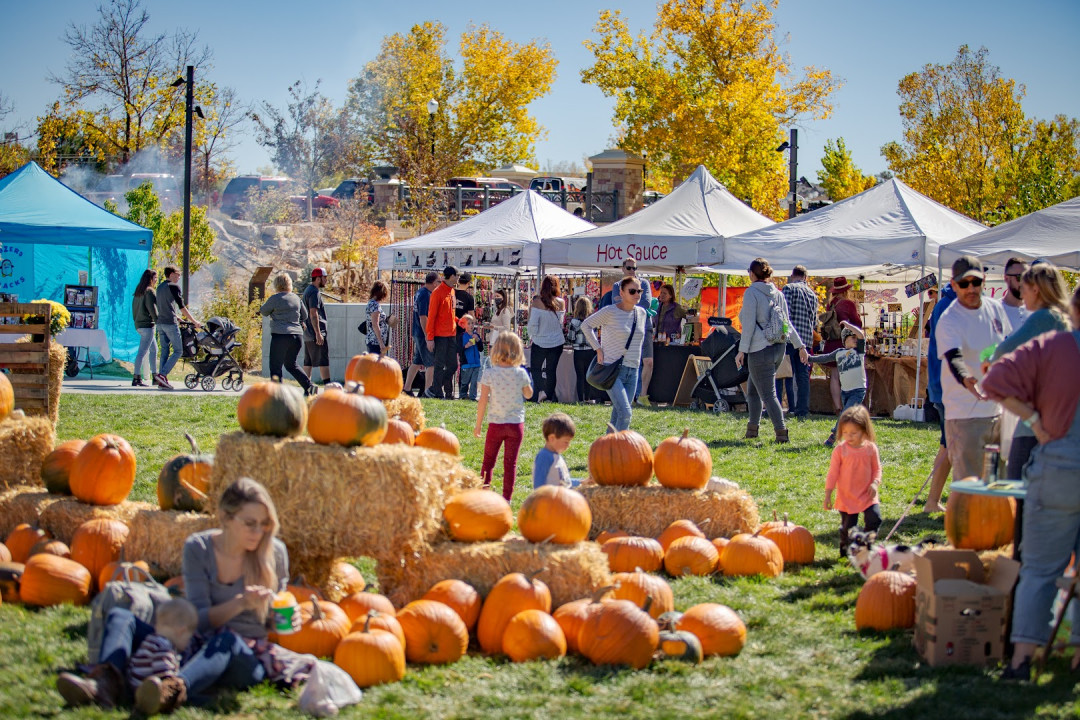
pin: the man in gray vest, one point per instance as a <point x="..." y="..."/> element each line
<point x="170" y="303"/>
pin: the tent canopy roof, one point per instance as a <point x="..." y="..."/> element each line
<point x="689" y="222"/>
<point x="520" y="222"/>
<point x="37" y="208"/>
<point x="1052" y="233"/>
<point x="888" y="226"/>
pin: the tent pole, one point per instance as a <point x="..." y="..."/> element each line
<point x="723" y="294"/>
<point x="922" y="323"/>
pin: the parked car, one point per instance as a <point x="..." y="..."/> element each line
<point x="351" y="187"/>
<point x="551" y="187"/>
<point x="110" y="187"/>
<point x="234" y="197"/>
<point x="651" y="196"/>
<point x="166" y="187"/>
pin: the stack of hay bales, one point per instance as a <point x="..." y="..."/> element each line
<point x="407" y="408"/>
<point x="24" y="443"/>
<point x="383" y="502"/>
<point x="646" y="511"/>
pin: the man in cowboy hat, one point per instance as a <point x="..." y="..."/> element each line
<point x="316" y="352"/>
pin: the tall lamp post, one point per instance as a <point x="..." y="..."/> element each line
<point x="432" y="108"/>
<point x="792" y="146"/>
<point x="189" y="107"/>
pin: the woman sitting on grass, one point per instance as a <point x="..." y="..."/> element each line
<point x="231" y="575"/>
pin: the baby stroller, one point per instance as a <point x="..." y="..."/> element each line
<point x="211" y="356"/>
<point x="720" y="386"/>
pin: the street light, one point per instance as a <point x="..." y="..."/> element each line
<point x="189" y="107"/>
<point x="432" y="108"/>
<point x="793" y="156"/>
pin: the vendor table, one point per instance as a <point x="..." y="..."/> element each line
<point x="668" y="364"/>
<point x="891" y="382"/>
<point x="86" y="338"/>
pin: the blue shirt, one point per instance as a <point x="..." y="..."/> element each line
<point x="420" y="307"/>
<point x="549" y="468"/>
<point x="472" y="352"/>
<point x="933" y="362"/>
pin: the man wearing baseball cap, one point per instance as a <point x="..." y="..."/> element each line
<point x="316" y="352"/>
<point x="972" y="325"/>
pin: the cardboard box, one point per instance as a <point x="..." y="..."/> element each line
<point x="960" y="610"/>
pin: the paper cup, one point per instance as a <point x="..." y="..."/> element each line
<point x="283" y="619"/>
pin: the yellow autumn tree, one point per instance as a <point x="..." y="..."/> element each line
<point x="968" y="144"/>
<point x="839" y="176"/>
<point x="707" y="86"/>
<point x="483" y="115"/>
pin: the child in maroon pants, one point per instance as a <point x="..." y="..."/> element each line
<point x="504" y="387"/>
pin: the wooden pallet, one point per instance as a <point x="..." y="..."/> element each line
<point x="28" y="361"/>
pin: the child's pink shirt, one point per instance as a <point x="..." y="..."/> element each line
<point x="855" y="473"/>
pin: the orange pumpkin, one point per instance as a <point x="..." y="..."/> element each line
<point x="979" y="522"/>
<point x="683" y="463"/>
<point x="371" y="656"/>
<point x="533" y="635"/>
<point x="747" y="554"/>
<point x="357" y="605"/>
<point x="439" y="438"/>
<point x="606" y="535"/>
<point x="138" y="571"/>
<point x="720" y="543"/>
<point x="380" y="374"/>
<point x="322" y="626"/>
<point x="302" y="590"/>
<point x="556" y="514"/>
<point x="676" y="530"/>
<point x="622" y="457"/>
<point x="478" y="515"/>
<point x="98" y="542"/>
<point x="380" y="621"/>
<point x="22" y="539"/>
<point x="719" y="629"/>
<point x="619" y="633"/>
<point x="886" y="602"/>
<point x="7" y="397"/>
<point x="56" y="467"/>
<point x="51" y="546"/>
<point x="627" y="553"/>
<point x="347" y="577"/>
<point x="434" y="633"/>
<point x="509" y="596"/>
<point x="641" y="588"/>
<point x="571" y="616"/>
<point x="103" y="473"/>
<point x="398" y="432"/>
<point x="691" y="556"/>
<point x="185" y="480"/>
<point x="271" y="408"/>
<point x="461" y="597"/>
<point x="51" y="580"/>
<point x="795" y="542"/>
<point x="347" y="418"/>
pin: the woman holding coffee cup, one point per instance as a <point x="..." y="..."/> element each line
<point x="232" y="575"/>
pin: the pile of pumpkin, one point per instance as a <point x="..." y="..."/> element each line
<point x="350" y="415"/>
<point x="625" y="458"/>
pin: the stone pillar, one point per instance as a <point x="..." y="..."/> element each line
<point x="623" y="171"/>
<point x="386" y="194"/>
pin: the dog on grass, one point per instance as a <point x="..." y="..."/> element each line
<point x="870" y="559"/>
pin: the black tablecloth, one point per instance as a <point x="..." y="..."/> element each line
<point x="668" y="364"/>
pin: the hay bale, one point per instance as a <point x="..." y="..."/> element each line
<point x="64" y="516"/>
<point x="384" y="502"/>
<point x="23" y="504"/>
<point x="573" y="571"/>
<point x="24" y="443"/>
<point x="408" y="408"/>
<point x="646" y="511"/>
<point x="157" y="536"/>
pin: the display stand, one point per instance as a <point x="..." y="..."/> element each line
<point x="82" y="302"/>
<point x="696" y="367"/>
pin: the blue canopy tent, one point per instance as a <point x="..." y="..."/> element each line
<point x="48" y="233"/>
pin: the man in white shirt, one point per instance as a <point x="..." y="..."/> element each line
<point x="972" y="325"/>
<point x="1014" y="306"/>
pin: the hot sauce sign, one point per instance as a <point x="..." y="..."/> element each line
<point x="645" y="252"/>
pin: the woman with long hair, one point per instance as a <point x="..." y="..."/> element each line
<point x="231" y="575"/>
<point x="621" y="339"/>
<point x="583" y="352"/>
<point x="546" y="332"/>
<point x="144" y="313"/>
<point x="286" y="314"/>
<point x="378" y="331"/>
<point x="502" y="319"/>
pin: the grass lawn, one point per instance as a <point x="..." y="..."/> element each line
<point x="803" y="657"/>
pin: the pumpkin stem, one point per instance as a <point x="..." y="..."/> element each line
<point x="316" y="611"/>
<point x="785" y="520"/>
<point x="685" y="434"/>
<point x="647" y="604"/>
<point x="530" y="575"/>
<point x="611" y="428"/>
<point x="774" y="515"/>
<point x="601" y="592"/>
<point x="352" y="386"/>
<point x="194" y="446"/>
<point x="367" y="621"/>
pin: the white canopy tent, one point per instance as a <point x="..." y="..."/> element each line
<point x="502" y="240"/>
<point x="885" y="229"/>
<point x="683" y="229"/>
<point x="1051" y="234"/>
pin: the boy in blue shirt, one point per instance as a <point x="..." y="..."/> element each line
<point x="471" y="345"/>
<point x="549" y="468"/>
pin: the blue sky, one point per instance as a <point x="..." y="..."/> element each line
<point x="261" y="47"/>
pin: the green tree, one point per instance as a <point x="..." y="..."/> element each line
<point x="968" y="144"/>
<point x="167" y="248"/>
<point x="839" y="176"/>
<point x="483" y="116"/>
<point x="707" y="86"/>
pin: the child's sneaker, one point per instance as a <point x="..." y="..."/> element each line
<point x="831" y="441"/>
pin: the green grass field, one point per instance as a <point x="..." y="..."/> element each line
<point x="803" y="658"/>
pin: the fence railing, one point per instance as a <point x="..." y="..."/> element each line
<point x="458" y="202"/>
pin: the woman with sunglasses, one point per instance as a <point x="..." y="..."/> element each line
<point x="622" y="338"/>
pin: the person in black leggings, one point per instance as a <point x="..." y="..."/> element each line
<point x="286" y="333"/>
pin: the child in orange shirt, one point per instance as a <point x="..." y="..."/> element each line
<point x="855" y="474"/>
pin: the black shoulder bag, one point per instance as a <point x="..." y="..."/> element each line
<point x="602" y="376"/>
